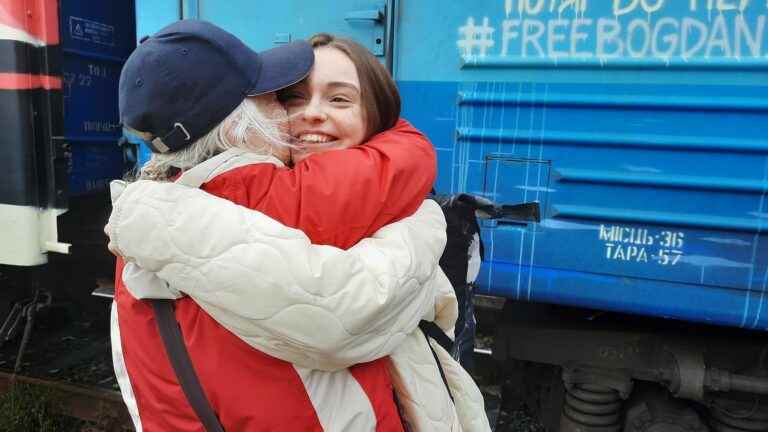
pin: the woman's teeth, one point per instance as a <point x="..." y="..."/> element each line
<point x="315" y="138"/>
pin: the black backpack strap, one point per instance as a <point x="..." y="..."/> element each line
<point x="431" y="330"/>
<point x="177" y="353"/>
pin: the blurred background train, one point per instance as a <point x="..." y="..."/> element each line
<point x="638" y="303"/>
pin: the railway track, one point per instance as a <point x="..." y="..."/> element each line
<point x="103" y="408"/>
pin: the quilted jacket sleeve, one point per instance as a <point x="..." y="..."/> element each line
<point x="316" y="306"/>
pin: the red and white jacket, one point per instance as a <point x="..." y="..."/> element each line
<point x="334" y="309"/>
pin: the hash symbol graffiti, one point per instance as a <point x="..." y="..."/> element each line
<point x="475" y="39"/>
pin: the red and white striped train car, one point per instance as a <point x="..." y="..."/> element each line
<point x="31" y="197"/>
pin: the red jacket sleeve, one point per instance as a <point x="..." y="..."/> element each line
<point x="341" y="196"/>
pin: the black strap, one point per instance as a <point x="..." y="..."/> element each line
<point x="431" y="330"/>
<point x="182" y="364"/>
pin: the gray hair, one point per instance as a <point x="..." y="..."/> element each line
<point x="232" y="132"/>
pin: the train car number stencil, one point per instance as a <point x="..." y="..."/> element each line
<point x="642" y="245"/>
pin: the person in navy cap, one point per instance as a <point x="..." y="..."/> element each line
<point x="206" y="106"/>
<point x="180" y="85"/>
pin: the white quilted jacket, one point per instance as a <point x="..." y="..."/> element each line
<point x="318" y="307"/>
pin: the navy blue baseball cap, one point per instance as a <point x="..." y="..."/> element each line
<point x="187" y="78"/>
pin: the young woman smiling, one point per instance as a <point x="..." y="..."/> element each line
<point x="347" y="98"/>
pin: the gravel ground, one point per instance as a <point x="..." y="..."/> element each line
<point x="507" y="419"/>
<point x="67" y="348"/>
<point x="518" y="421"/>
<point x="504" y="418"/>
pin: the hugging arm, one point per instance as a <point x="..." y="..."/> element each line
<point x="340" y="196"/>
<point x="315" y="306"/>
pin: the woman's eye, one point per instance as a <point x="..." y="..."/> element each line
<point x="340" y="99"/>
<point x="288" y="95"/>
<point x="292" y="99"/>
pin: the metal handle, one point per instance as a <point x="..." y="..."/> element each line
<point x="375" y="15"/>
<point x="380" y="21"/>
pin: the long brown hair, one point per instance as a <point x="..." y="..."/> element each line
<point x="379" y="95"/>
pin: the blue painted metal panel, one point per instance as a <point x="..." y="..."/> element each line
<point x="151" y="16"/>
<point x="294" y="20"/>
<point x="96" y="39"/>
<point x="638" y="126"/>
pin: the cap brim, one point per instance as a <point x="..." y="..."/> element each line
<point x="283" y="66"/>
